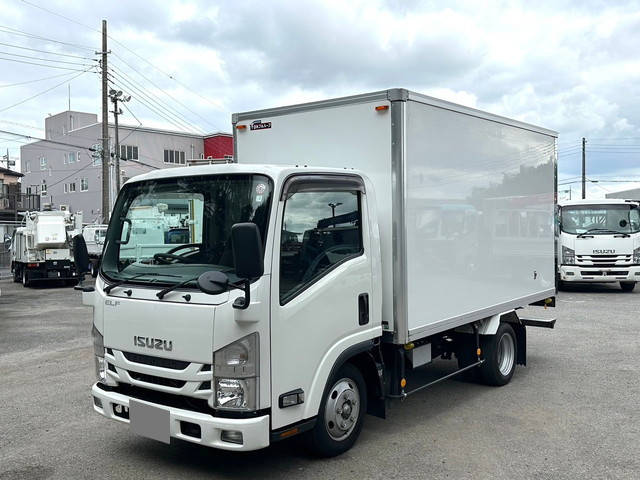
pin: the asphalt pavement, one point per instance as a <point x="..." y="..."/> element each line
<point x="571" y="413"/>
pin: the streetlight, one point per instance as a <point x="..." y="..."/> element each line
<point x="333" y="208"/>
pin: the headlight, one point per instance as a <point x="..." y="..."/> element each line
<point x="235" y="375"/>
<point x="98" y="350"/>
<point x="636" y="255"/>
<point x="568" y="255"/>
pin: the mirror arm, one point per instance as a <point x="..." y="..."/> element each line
<point x="242" y="303"/>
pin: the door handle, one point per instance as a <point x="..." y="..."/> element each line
<point x="363" y="309"/>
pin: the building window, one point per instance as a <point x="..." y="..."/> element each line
<point x="72" y="187"/>
<point x="84" y="184"/>
<point x="27" y="166"/>
<point x="43" y="163"/>
<point x="28" y="190"/>
<point x="174" y="156"/>
<point x="66" y="188"/>
<point x="72" y="157"/>
<point x="43" y="188"/>
<point x="128" y="152"/>
<point x="96" y="154"/>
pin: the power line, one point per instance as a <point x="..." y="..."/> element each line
<point x="163" y="91"/>
<point x="15" y="31"/>
<point x="43" y="92"/>
<point x="43" y="64"/>
<point x="29" y="137"/>
<point x="40" y="59"/>
<point x="49" y="52"/>
<point x="34" y="81"/>
<point x="154" y="99"/>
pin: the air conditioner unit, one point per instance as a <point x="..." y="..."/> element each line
<point x="64" y="208"/>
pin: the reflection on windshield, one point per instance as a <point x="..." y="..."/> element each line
<point x="178" y="228"/>
<point x="600" y="219"/>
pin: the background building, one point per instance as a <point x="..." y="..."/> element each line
<point x="632" y="194"/>
<point x="65" y="170"/>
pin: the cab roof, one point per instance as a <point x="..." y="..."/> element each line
<point x="599" y="201"/>
<point x="276" y="172"/>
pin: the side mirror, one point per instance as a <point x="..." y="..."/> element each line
<point x="7" y="241"/>
<point x="248" y="256"/>
<point x="80" y="254"/>
<point x="213" y="282"/>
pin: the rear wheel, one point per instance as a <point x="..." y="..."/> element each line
<point x="500" y="353"/>
<point x="94" y="269"/>
<point x="26" y="278"/>
<point x="16" y="274"/>
<point x="341" y="414"/>
<point x="627" y="286"/>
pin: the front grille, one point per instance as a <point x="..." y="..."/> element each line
<point x="155" y="361"/>
<point x="205" y="386"/>
<point x="167" y="382"/>
<point x="603" y="261"/>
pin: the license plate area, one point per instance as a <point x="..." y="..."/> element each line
<point x="149" y="421"/>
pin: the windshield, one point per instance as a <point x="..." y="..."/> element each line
<point x="600" y="219"/>
<point x="174" y="229"/>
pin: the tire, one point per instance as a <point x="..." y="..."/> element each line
<point x="500" y="352"/>
<point x="627" y="286"/>
<point x="16" y="274"/>
<point x="26" y="280"/>
<point x="346" y="391"/>
<point x="94" y="269"/>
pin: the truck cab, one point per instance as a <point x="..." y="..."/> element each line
<point x="315" y="228"/>
<point x="599" y="242"/>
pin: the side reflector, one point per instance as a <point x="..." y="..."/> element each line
<point x="382" y="108"/>
<point x="403" y="382"/>
<point x="290" y="432"/>
<point x="241" y="127"/>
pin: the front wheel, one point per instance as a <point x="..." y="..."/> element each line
<point x="341" y="414"/>
<point x="627" y="286"/>
<point x="500" y="354"/>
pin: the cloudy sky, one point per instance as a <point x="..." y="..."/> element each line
<point x="569" y="66"/>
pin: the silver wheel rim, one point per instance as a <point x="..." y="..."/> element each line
<point x="506" y="354"/>
<point x="343" y="409"/>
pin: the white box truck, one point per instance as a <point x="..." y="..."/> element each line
<point x="599" y="242"/>
<point x="354" y="241"/>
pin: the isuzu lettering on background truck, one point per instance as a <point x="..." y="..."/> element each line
<point x="309" y="288"/>
<point x="599" y="242"/>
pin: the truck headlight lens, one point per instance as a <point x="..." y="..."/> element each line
<point x="636" y="255"/>
<point x="98" y="350"/>
<point x="568" y="255"/>
<point x="235" y="374"/>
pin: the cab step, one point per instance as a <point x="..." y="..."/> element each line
<point x="539" y="322"/>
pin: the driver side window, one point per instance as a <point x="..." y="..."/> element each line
<point x="319" y="231"/>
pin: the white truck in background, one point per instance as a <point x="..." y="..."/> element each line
<point x="94" y="235"/>
<point x="42" y="249"/>
<point x="306" y="293"/>
<point x="599" y="242"/>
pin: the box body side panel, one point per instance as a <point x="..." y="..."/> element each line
<point x="479" y="212"/>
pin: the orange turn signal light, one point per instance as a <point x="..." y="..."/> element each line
<point x="382" y="108"/>
<point x="241" y="127"/>
<point x="403" y="382"/>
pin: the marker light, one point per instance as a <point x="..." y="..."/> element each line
<point x="382" y="108"/>
<point x="241" y="127"/>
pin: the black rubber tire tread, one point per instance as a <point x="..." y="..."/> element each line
<point x="489" y="371"/>
<point x="318" y="440"/>
<point x="627" y="286"/>
<point x="26" y="281"/>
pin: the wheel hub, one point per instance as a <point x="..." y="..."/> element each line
<point x="342" y="409"/>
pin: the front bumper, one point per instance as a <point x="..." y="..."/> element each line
<point x="596" y="274"/>
<point x="255" y="431"/>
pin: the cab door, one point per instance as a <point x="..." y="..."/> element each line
<point x="321" y="287"/>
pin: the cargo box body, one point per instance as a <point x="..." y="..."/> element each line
<point x="465" y="199"/>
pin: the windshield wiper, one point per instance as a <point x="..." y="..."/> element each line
<point x="601" y="230"/>
<point x="170" y="288"/>
<point x="108" y="288"/>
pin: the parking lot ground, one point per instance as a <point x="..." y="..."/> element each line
<point x="571" y="413"/>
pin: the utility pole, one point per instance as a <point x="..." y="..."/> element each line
<point x="116" y="96"/>
<point x="584" y="168"/>
<point x="105" y="128"/>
